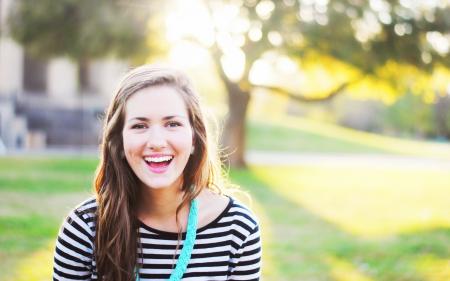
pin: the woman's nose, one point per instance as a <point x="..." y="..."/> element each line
<point x="156" y="139"/>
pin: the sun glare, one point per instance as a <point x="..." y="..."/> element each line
<point x="187" y="55"/>
<point x="233" y="63"/>
<point x="189" y="19"/>
<point x="191" y="29"/>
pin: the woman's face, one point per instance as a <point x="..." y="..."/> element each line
<point x="157" y="136"/>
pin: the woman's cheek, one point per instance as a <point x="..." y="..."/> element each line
<point x="133" y="144"/>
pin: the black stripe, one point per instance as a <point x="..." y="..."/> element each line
<point x="78" y="239"/>
<point x="245" y="272"/>
<point x="214" y="244"/>
<point x="69" y="266"/>
<point x="245" y="215"/>
<point x="205" y="273"/>
<point x="200" y="236"/>
<point x="243" y="225"/>
<point x="251" y="242"/>
<point x="153" y="276"/>
<point x="73" y="247"/>
<point x="70" y="257"/>
<point x="79" y="227"/>
<point x="220" y="244"/>
<point x="193" y="256"/>
<point x="246" y="263"/>
<point x="252" y="252"/>
<point x="90" y="219"/>
<point x="70" y="276"/>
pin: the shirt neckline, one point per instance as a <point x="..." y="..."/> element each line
<point x="203" y="228"/>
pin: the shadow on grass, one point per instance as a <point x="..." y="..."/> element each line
<point x="303" y="246"/>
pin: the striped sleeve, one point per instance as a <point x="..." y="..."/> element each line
<point x="246" y="262"/>
<point x="74" y="247"/>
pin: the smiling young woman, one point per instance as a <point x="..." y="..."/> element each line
<point x="160" y="211"/>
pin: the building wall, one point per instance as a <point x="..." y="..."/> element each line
<point x="40" y="109"/>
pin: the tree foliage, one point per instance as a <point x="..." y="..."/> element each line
<point x="80" y="28"/>
<point x="364" y="34"/>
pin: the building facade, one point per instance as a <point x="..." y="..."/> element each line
<point x="51" y="103"/>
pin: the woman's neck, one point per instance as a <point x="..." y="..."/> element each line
<point x="161" y="203"/>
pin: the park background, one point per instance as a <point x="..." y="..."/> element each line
<point x="335" y="116"/>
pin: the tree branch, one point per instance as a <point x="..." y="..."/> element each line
<point x="300" y="98"/>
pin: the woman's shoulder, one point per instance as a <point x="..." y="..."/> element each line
<point x="86" y="208"/>
<point x="242" y="212"/>
<point x="217" y="208"/>
<point x="83" y="216"/>
<point x="74" y="245"/>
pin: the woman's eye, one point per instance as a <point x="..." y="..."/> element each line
<point x="138" y="126"/>
<point x="173" y="124"/>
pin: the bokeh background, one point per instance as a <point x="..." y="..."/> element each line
<point x="334" y="114"/>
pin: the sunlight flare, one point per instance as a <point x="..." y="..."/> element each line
<point x="343" y="270"/>
<point x="189" y="19"/>
<point x="364" y="201"/>
<point x="187" y="55"/>
<point x="36" y="266"/>
<point x="233" y="63"/>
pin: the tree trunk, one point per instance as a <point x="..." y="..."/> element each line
<point x="233" y="139"/>
<point x="442" y="116"/>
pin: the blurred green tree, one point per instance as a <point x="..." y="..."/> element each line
<point x="398" y="116"/>
<point x="80" y="29"/>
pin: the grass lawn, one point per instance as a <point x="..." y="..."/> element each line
<point x="303" y="135"/>
<point x="319" y="223"/>
<point x="35" y="195"/>
<point x="332" y="223"/>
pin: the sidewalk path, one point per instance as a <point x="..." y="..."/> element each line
<point x="346" y="160"/>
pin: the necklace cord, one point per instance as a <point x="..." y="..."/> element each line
<point x="188" y="245"/>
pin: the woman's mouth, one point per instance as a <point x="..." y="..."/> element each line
<point x="158" y="164"/>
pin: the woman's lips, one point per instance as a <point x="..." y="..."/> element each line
<point x="158" y="167"/>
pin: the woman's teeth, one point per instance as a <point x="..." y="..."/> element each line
<point x="158" y="159"/>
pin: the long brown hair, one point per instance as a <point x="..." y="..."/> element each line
<point x="117" y="187"/>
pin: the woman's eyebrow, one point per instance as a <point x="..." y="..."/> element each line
<point x="145" y="119"/>
<point x="138" y="118"/>
<point x="174" y="116"/>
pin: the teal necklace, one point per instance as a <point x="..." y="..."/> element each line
<point x="188" y="246"/>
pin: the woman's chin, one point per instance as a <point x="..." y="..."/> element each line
<point x="161" y="184"/>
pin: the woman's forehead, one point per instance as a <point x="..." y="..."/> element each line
<point x="158" y="101"/>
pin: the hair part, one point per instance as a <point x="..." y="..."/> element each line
<point x="116" y="185"/>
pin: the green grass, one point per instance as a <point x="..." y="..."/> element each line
<point x="17" y="231"/>
<point x="43" y="175"/>
<point x="318" y="223"/>
<point x="282" y="138"/>
<point x="295" y="134"/>
<point x="322" y="225"/>
<point x="22" y="237"/>
<point x="359" y="223"/>
<point x="35" y="195"/>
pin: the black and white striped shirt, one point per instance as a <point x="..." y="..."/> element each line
<point x="228" y="248"/>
